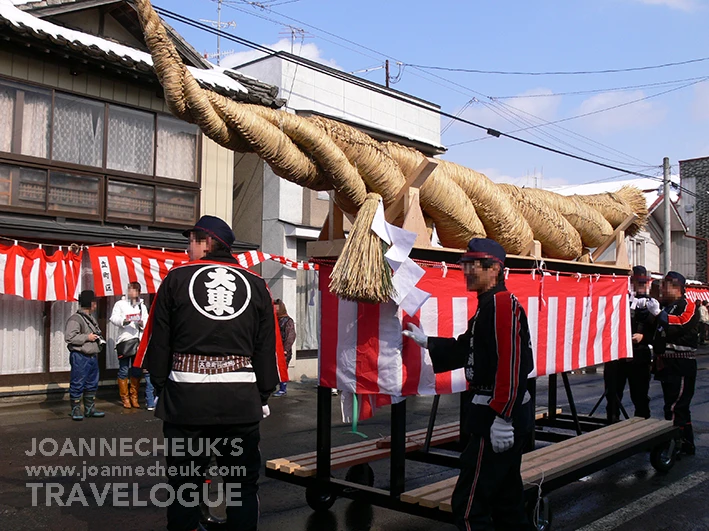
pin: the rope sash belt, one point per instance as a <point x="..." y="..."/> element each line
<point x="198" y="368"/>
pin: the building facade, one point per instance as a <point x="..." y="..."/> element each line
<point x="281" y="217"/>
<point x="90" y="154"/>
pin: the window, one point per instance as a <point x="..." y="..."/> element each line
<point x="23" y="187"/>
<point x="78" y="131"/>
<point x="177" y="149"/>
<point x="75" y="155"/>
<point x="132" y="201"/>
<point x="74" y="193"/>
<point x="131" y="136"/>
<point x="176" y="206"/>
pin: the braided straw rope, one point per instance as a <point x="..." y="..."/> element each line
<point x="323" y="154"/>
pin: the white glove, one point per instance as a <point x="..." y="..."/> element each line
<point x="502" y="435"/>
<point x="639" y="303"/>
<point x="266" y="411"/>
<point x="415" y="333"/>
<point x="653" y="306"/>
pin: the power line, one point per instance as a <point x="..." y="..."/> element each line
<point x="339" y="75"/>
<point x="596" y="91"/>
<point x="598" y="111"/>
<point x="250" y="2"/>
<point x="560" y="73"/>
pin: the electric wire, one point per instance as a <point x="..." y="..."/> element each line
<point x="340" y="75"/>
<point x="560" y="73"/>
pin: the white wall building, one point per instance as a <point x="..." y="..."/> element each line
<point x="280" y="216"/>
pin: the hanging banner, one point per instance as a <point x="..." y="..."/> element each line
<point x="34" y="275"/>
<point x="252" y="258"/>
<point x="697" y="294"/>
<point x="575" y="322"/>
<point x="114" y="267"/>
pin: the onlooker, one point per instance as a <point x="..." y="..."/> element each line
<point x="287" y="330"/>
<point x="131" y="314"/>
<point x="704" y="321"/>
<point x="84" y="341"/>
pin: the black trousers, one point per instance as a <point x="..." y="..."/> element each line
<point x="678" y="378"/>
<point x="489" y="493"/>
<point x="239" y="462"/>
<point x="636" y="372"/>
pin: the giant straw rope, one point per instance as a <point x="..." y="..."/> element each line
<point x="323" y="154"/>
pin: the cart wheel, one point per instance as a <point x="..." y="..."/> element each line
<point x="663" y="456"/>
<point x="361" y="474"/>
<point x="540" y="515"/>
<point x="318" y="498"/>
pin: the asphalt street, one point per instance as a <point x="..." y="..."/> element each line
<point x="629" y="495"/>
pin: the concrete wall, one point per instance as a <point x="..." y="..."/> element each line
<point x="309" y="90"/>
<point x="248" y="198"/>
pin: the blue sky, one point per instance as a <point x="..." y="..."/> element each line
<point x="515" y="36"/>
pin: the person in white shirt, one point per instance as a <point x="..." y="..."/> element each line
<point x="131" y="315"/>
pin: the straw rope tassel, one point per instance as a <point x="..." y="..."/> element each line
<point x="361" y="273"/>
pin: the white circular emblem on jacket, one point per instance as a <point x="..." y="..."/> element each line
<point x="219" y="292"/>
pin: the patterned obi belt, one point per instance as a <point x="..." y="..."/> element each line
<point x="199" y="368"/>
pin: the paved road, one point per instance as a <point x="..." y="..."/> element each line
<point x="626" y="496"/>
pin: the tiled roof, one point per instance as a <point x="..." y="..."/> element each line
<point x="20" y="26"/>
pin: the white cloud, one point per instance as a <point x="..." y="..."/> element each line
<point x="307" y="51"/>
<point x="682" y="5"/>
<point x="633" y="115"/>
<point x="700" y="105"/>
<point x="512" y="114"/>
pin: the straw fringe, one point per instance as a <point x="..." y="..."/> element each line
<point x="361" y="272"/>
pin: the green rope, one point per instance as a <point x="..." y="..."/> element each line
<point x="355" y="416"/>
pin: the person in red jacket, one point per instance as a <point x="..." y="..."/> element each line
<point x="675" y="350"/>
<point x="496" y="352"/>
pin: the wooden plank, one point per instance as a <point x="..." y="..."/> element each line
<point x="415" y="180"/>
<point x="612" y="238"/>
<point x="325" y="248"/>
<point x="274" y="464"/>
<point x="374" y="455"/>
<point x="413" y="220"/>
<point x="558" y="458"/>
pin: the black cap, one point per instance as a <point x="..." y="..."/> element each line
<point x="86" y="297"/>
<point x="676" y="278"/>
<point x="216" y="227"/>
<point x="481" y="248"/>
<point x="640" y="274"/>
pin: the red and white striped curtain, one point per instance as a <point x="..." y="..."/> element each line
<point x="115" y="266"/>
<point x="35" y="275"/>
<point x="574" y="322"/>
<point x="697" y="294"/>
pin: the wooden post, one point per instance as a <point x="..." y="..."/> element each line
<point x="620" y="229"/>
<point x="415" y="180"/>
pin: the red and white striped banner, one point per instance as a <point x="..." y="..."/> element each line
<point x="114" y="267"/>
<point x="252" y="258"/>
<point x="697" y="294"/>
<point x="574" y="322"/>
<point x="33" y="275"/>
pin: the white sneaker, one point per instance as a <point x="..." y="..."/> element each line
<point x="334" y="392"/>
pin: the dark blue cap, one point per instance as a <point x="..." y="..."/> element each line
<point x="215" y="227"/>
<point x="676" y="278"/>
<point x="640" y="274"/>
<point x="481" y="248"/>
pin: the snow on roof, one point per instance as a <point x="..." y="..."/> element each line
<point x="214" y="77"/>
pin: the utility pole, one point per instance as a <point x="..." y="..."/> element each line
<point x="386" y="70"/>
<point x="667" y="258"/>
